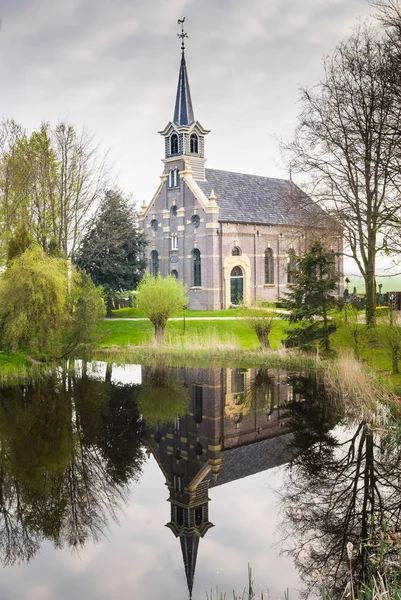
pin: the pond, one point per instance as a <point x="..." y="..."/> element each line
<point x="121" y="481"/>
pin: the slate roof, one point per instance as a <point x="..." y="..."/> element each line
<point x="254" y="458"/>
<point x="262" y="200"/>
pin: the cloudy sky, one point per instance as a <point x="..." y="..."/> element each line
<point x="112" y="66"/>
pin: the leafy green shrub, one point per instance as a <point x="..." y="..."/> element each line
<point x="159" y="298"/>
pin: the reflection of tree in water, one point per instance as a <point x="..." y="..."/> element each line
<point x="163" y="398"/>
<point x="339" y="491"/>
<point x="67" y="447"/>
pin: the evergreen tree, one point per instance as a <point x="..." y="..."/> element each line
<point x="112" y="252"/>
<point x="314" y="281"/>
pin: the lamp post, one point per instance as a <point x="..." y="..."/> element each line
<point x="391" y="297"/>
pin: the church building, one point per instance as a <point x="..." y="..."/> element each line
<point x="229" y="237"/>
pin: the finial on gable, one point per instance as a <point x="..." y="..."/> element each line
<point x="212" y="198"/>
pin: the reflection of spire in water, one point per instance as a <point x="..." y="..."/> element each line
<point x="189" y="548"/>
<point x="190" y="522"/>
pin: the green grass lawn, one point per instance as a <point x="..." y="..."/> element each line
<point x="206" y="333"/>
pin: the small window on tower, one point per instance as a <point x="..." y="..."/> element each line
<point x="173" y="179"/>
<point x="178" y="483"/>
<point x="174" y="210"/>
<point x="154" y="225"/>
<point x="174" y="242"/>
<point x="194" y="143"/>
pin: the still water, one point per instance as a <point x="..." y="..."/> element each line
<point x="120" y="482"/>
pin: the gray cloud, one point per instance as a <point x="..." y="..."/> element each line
<point x="112" y="65"/>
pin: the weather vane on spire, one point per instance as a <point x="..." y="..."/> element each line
<point x="182" y="35"/>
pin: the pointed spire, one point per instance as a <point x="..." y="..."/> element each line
<point x="183" y="113"/>
<point x="189" y="547"/>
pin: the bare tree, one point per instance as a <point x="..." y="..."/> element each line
<point x="83" y="178"/>
<point x="348" y="141"/>
<point x="51" y="182"/>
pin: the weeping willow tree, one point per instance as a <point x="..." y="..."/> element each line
<point x="45" y="305"/>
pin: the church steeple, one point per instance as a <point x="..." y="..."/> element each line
<point x="183" y="113"/>
<point x="184" y="137"/>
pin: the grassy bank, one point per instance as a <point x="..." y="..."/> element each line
<point x="220" y="356"/>
<point x="134" y="313"/>
<point x="205" y="333"/>
<point x="17" y="368"/>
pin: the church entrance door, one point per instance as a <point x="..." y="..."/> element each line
<point x="237" y="285"/>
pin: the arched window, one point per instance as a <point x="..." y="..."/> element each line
<point x="269" y="266"/>
<point x="237" y="286"/>
<point x="174" y="143"/>
<point x="197" y="273"/>
<point x="198" y="516"/>
<point x="154" y="263"/>
<point x="154" y="224"/>
<point x="236" y="251"/>
<point x="174" y="273"/>
<point x="179" y="515"/>
<point x="194" y="143"/>
<point x="198" y="449"/>
<point x="174" y="210"/>
<point x="291" y="266"/>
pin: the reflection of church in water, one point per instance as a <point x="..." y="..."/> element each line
<point x="236" y="426"/>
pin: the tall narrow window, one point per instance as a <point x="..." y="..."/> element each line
<point x="154" y="263"/>
<point x="291" y="266"/>
<point x="194" y="143"/>
<point x="174" y="144"/>
<point x="173" y="179"/>
<point x="174" y="273"/>
<point x="198" y="403"/>
<point x="179" y="515"/>
<point x="196" y="259"/>
<point x="174" y="241"/>
<point x="269" y="266"/>
<point x="177" y="482"/>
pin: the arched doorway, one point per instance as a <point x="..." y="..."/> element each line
<point x="237" y="285"/>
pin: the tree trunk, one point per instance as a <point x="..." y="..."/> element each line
<point x="263" y="338"/>
<point x="370" y="284"/>
<point x="159" y="332"/>
<point x="109" y="307"/>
